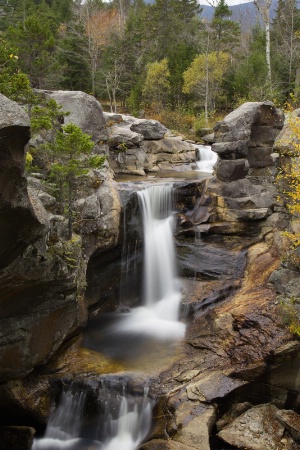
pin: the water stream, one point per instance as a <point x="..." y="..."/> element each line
<point x="158" y="315"/>
<point x="122" y="424"/>
<point x="157" y="318"/>
<point x="205" y="158"/>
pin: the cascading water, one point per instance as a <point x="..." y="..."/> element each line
<point x="205" y="158"/>
<point x="158" y="317"/>
<point x="122" y="431"/>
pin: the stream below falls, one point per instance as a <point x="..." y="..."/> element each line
<point x="125" y="420"/>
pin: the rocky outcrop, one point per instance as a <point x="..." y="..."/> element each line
<point x="139" y="145"/>
<point x="42" y="270"/>
<point x="244" y="140"/>
<point x="20" y="223"/>
<point x="257" y="428"/>
<point x="86" y="112"/>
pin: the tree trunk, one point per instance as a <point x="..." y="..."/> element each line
<point x="268" y="48"/>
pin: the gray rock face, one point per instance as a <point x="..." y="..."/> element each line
<point x="42" y="273"/>
<point x="231" y="170"/>
<point x="86" y="112"/>
<point x="19" y="224"/>
<point x="231" y="150"/>
<point x="130" y="161"/>
<point x="150" y="129"/>
<point x="167" y="151"/>
<point x="286" y="281"/>
<point x="256" y="429"/>
<point x="247" y="133"/>
<point x="123" y="138"/>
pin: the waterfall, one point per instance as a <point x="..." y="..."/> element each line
<point x="205" y="158"/>
<point x="125" y="431"/>
<point x="158" y="317"/>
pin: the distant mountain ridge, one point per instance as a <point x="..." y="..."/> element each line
<point x="245" y="13"/>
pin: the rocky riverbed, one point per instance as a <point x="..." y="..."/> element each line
<point x="225" y="382"/>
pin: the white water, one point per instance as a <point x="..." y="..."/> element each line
<point x="161" y="288"/>
<point x="158" y="318"/>
<point x="205" y="158"/>
<point x="125" y="432"/>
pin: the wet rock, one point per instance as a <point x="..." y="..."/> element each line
<point x="159" y="444"/>
<point x="291" y="421"/>
<point x="16" y="438"/>
<point x="213" y="386"/>
<point x="194" y="422"/>
<point x="210" y="262"/>
<point x="258" y="428"/>
<point x="150" y="129"/>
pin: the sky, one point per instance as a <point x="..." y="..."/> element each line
<point x="229" y="2"/>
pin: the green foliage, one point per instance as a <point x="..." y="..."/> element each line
<point x="73" y="158"/>
<point x="13" y="83"/>
<point x="35" y="42"/>
<point x="226" y="33"/>
<point x="45" y="116"/>
<point x="204" y="77"/>
<point x="157" y="84"/>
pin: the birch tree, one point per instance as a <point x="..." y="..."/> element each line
<point x="263" y="7"/>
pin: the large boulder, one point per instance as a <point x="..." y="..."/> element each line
<point x="41" y="272"/>
<point x="150" y="129"/>
<point x="86" y="112"/>
<point x="19" y="225"/>
<point x="123" y="138"/>
<point x="255" y="429"/>
<point x="167" y="152"/>
<point x="244" y="139"/>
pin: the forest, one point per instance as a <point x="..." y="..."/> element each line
<point x="162" y="59"/>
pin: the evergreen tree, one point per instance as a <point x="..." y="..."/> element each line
<point x="225" y="32"/>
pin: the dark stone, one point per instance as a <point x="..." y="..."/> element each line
<point x="231" y="170"/>
<point x="210" y="262"/>
<point x="231" y="150"/>
<point x="150" y="129"/>
<point x="260" y="157"/>
<point x="16" y="438"/>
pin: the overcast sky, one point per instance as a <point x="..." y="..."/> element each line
<point x="229" y="2"/>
